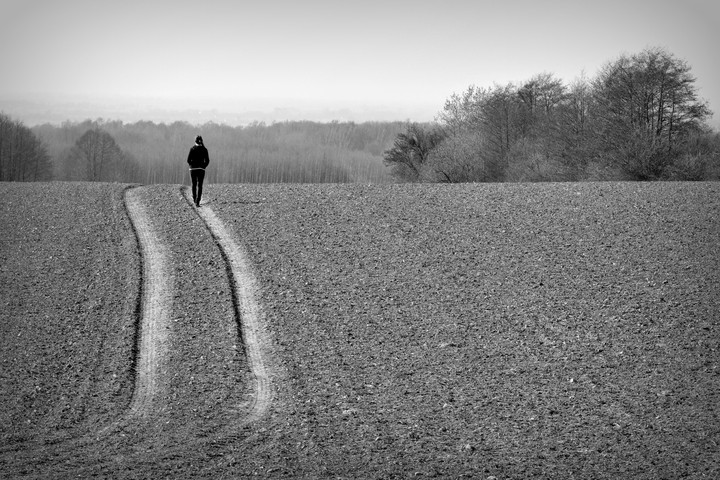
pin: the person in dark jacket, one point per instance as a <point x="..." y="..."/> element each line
<point x="198" y="160"/>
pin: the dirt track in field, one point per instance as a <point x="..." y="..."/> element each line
<point x="157" y="293"/>
<point x="244" y="286"/>
<point x="196" y="370"/>
<point x="155" y="325"/>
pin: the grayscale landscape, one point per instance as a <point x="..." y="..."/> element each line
<point x="459" y="239"/>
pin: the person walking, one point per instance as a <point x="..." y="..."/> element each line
<point x="198" y="160"/>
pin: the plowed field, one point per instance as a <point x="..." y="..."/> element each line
<point x="507" y="331"/>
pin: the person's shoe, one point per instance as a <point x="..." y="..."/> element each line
<point x="197" y="204"/>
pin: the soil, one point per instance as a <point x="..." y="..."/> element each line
<point x="69" y="268"/>
<point x="514" y="331"/>
<point x="506" y="331"/>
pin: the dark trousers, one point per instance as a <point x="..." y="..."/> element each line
<point x="197" y="177"/>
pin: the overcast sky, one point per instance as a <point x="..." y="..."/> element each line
<point x="392" y="55"/>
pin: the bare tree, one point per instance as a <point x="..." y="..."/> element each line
<point x="539" y="99"/>
<point x="409" y="154"/>
<point x="647" y="104"/>
<point x="461" y="157"/>
<point x="23" y="157"/>
<point x="100" y="154"/>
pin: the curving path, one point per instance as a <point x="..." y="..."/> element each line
<point x="157" y="294"/>
<point x="245" y="286"/>
<point x="97" y="450"/>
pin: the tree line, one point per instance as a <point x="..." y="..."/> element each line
<point x="23" y="157"/>
<point x="640" y="118"/>
<point x="146" y="152"/>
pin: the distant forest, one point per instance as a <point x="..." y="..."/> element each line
<point x="640" y="118"/>
<point x="146" y="152"/>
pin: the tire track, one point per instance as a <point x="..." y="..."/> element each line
<point x="248" y="311"/>
<point x="156" y="293"/>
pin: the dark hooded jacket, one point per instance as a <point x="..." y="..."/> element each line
<point x="198" y="156"/>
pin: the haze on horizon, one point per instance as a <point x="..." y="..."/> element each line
<point x="320" y="59"/>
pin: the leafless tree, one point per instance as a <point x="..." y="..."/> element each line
<point x="23" y="157"/>
<point x="411" y="150"/>
<point x="647" y="105"/>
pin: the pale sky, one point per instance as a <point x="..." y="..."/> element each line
<point x="395" y="55"/>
